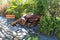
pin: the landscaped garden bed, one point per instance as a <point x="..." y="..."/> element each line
<point x="48" y="24"/>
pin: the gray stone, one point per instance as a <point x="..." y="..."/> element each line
<point x="7" y="32"/>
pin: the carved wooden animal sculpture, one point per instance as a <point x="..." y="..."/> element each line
<point x="31" y="21"/>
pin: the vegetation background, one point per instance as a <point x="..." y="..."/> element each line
<point x="49" y="24"/>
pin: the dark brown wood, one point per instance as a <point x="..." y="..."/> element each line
<point x="32" y="21"/>
<point x="15" y="22"/>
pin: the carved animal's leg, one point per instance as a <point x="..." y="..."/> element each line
<point x="33" y="24"/>
<point x="15" y="22"/>
<point x="29" y="24"/>
<point x="22" y="22"/>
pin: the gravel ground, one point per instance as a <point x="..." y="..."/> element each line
<point x="7" y="32"/>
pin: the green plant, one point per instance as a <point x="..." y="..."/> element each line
<point x="47" y="25"/>
<point x="58" y="27"/>
<point x="33" y="37"/>
<point x="19" y="7"/>
<point x="50" y="23"/>
<point x="16" y="7"/>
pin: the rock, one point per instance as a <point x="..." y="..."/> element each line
<point x="7" y="32"/>
<point x="14" y="33"/>
<point x="1" y="39"/>
<point x="2" y="35"/>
